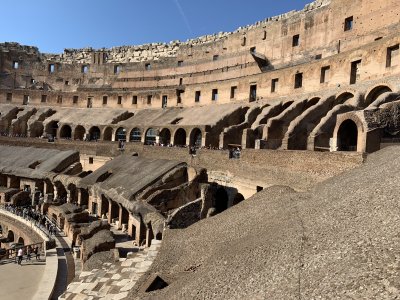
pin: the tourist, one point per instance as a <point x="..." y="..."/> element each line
<point x="28" y="253"/>
<point x="20" y="255"/>
<point x="37" y="252"/>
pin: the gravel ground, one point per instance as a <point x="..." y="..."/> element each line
<point x="339" y="241"/>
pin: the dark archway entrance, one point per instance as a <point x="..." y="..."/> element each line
<point x="108" y="134"/>
<point x="165" y="137"/>
<point x="94" y="133"/>
<point x="238" y="198"/>
<point x="195" y="137"/>
<point x="136" y="135"/>
<point x="221" y="200"/>
<point x="21" y="241"/>
<point x="65" y="132"/>
<point x="375" y="93"/>
<point x="79" y="133"/>
<point x="180" y="137"/>
<point x="151" y="135"/>
<point x="10" y="236"/>
<point x="51" y="128"/>
<point x="347" y="136"/>
<point x="120" y="134"/>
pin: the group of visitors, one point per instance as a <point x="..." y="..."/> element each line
<point x="29" y="250"/>
<point x="38" y="219"/>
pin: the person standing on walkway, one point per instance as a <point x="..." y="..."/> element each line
<point x="37" y="252"/>
<point x="28" y="253"/>
<point x="20" y="255"/>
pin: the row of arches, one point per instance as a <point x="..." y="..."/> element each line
<point x="151" y="135"/>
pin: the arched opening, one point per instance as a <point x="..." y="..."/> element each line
<point x="84" y="197"/>
<point x="133" y="232"/>
<point x="51" y="128"/>
<point x="165" y="136"/>
<point x="195" y="138"/>
<point x="375" y="93"/>
<point x="159" y="236"/>
<point x="120" y="134"/>
<point x="136" y="135"/>
<point x="108" y="134"/>
<point x="347" y="136"/>
<point x="124" y="217"/>
<point x="238" y="198"/>
<point x="149" y="235"/>
<point x="10" y="236"/>
<point x="65" y="132"/>
<point x="151" y="135"/>
<point x="104" y="207"/>
<point x="21" y="241"/>
<point x="61" y="192"/>
<point x="79" y="133"/>
<point x="114" y="213"/>
<point x="342" y="98"/>
<point x="94" y="133"/>
<point x="221" y="200"/>
<point x="180" y="137"/>
<point x="36" y="130"/>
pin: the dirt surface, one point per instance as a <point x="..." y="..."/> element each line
<point x="339" y="241"/>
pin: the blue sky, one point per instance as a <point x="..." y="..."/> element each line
<point x="53" y="25"/>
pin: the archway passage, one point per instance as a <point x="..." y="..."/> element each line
<point x="94" y="133"/>
<point x="21" y="241"/>
<point x="347" y="136"/>
<point x="180" y="137"/>
<point x="136" y="135"/>
<point x="79" y="133"/>
<point x="238" y="198"/>
<point x="10" y="236"/>
<point x="221" y="200"/>
<point x="65" y="132"/>
<point x="51" y="128"/>
<point x="195" y="137"/>
<point x="108" y="134"/>
<point x="120" y="134"/>
<point x="151" y="135"/>
<point x="36" y="130"/>
<point x="376" y="92"/>
<point x="165" y="136"/>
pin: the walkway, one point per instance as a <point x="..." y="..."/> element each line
<point x="20" y="282"/>
<point x="112" y="281"/>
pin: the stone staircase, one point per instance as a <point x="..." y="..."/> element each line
<point x="113" y="281"/>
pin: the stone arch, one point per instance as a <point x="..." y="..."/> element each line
<point x="36" y="130"/>
<point x="52" y="128"/>
<point x="21" y="240"/>
<point x="65" y="132"/>
<point x="221" y="199"/>
<point x="107" y="135"/>
<point x="150" y="136"/>
<point x="165" y="136"/>
<point x="10" y="236"/>
<point x="196" y="137"/>
<point x="238" y="198"/>
<point x="180" y="137"/>
<point x="61" y="192"/>
<point x="159" y="236"/>
<point x="375" y="92"/>
<point x="135" y="135"/>
<point x="120" y="134"/>
<point x="79" y="133"/>
<point x="347" y="136"/>
<point x="94" y="133"/>
<point x="344" y="97"/>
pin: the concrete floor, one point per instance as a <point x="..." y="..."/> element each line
<point x="20" y="282"/>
